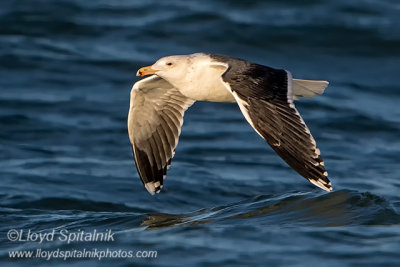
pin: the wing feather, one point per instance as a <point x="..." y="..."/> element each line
<point x="265" y="98"/>
<point x="154" y="125"/>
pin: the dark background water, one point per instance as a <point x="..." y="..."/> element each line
<point x="66" y="69"/>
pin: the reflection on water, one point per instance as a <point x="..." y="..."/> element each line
<point x="333" y="209"/>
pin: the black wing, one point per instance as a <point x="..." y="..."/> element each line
<point x="265" y="98"/>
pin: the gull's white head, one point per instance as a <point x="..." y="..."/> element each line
<point x="169" y="68"/>
<point x="175" y="68"/>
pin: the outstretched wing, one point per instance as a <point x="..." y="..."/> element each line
<point x="265" y="97"/>
<point x="154" y="125"/>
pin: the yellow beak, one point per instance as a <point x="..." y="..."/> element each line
<point x="145" y="71"/>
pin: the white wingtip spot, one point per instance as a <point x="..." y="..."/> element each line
<point x="317" y="151"/>
<point x="158" y="187"/>
<point x="325" y="173"/>
<point x="321" y="184"/>
<point x="150" y="188"/>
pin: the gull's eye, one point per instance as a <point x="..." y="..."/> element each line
<point x="169" y="64"/>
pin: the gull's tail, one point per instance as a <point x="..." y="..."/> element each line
<point x="308" y="88"/>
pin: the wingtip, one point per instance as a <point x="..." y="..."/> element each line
<point x="322" y="184"/>
<point x="153" y="187"/>
<point x="150" y="188"/>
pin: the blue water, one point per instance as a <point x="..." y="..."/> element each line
<point x="66" y="70"/>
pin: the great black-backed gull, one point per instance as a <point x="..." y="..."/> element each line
<point x="265" y="96"/>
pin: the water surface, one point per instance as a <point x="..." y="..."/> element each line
<point x="66" y="72"/>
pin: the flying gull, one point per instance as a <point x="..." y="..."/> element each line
<point x="265" y="96"/>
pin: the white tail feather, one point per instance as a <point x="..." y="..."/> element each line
<point x="308" y="88"/>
